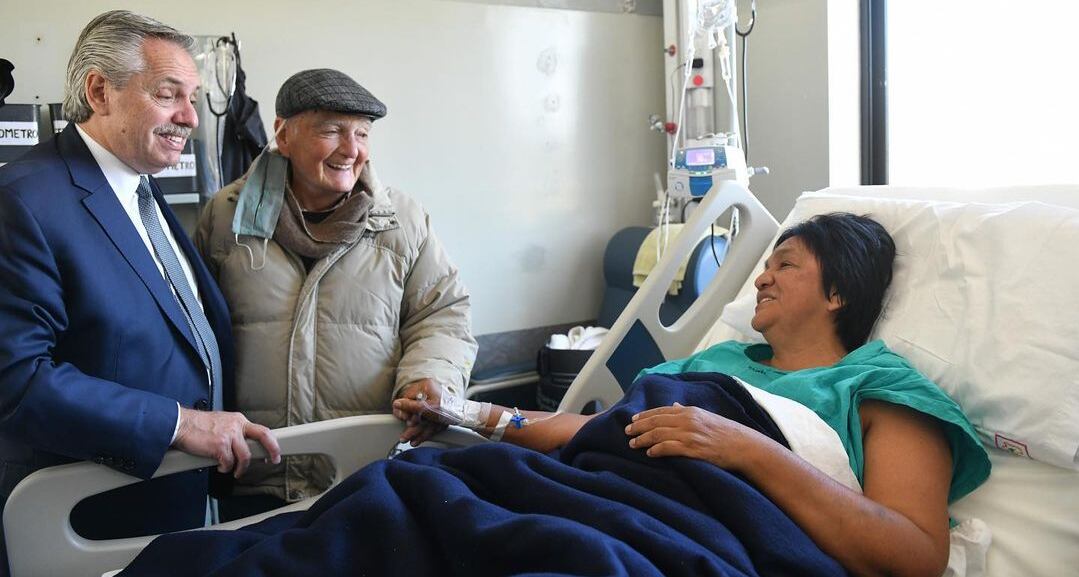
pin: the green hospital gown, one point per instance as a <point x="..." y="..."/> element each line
<point x="871" y="371"/>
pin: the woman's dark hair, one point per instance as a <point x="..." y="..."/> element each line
<point x="855" y="254"/>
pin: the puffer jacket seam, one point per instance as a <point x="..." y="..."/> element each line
<point x="308" y="291"/>
<point x="450" y="273"/>
<point x="381" y="247"/>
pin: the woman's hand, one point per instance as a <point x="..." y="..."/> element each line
<point x="411" y="406"/>
<point x="680" y="431"/>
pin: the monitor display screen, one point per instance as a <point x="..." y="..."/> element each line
<point x="700" y="156"/>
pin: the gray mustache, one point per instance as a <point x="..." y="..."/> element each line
<point x="173" y="130"/>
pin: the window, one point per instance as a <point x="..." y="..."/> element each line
<point x="982" y="92"/>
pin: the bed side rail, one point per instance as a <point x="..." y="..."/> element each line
<point x="41" y="541"/>
<point x="638" y="338"/>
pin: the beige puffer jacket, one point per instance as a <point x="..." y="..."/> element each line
<point x="343" y="339"/>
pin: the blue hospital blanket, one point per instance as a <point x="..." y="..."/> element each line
<point x="596" y="508"/>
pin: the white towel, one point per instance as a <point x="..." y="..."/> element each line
<point x="808" y="435"/>
<point x="578" y="338"/>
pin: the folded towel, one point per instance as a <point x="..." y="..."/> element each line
<point x="578" y="338"/>
<point x="655" y="246"/>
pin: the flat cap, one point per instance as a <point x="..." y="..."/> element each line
<point x="326" y="89"/>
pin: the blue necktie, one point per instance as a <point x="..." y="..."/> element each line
<point x="174" y="273"/>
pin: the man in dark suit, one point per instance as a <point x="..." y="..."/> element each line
<point x="114" y="340"/>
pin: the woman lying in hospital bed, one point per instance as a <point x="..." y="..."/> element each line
<point x="909" y="446"/>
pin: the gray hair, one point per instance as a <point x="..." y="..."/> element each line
<point x="111" y="44"/>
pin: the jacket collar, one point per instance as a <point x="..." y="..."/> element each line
<point x="123" y="179"/>
<point x="85" y="173"/>
<point x="383" y="215"/>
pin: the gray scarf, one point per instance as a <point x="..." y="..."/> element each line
<point x="315" y="240"/>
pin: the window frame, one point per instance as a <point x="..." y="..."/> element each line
<point x="874" y="92"/>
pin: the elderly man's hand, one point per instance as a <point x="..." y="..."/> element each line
<point x="419" y="429"/>
<point x="222" y="436"/>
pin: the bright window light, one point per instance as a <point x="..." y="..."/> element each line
<point x="983" y="92"/>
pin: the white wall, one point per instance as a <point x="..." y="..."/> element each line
<point x="788" y="100"/>
<point x="521" y="130"/>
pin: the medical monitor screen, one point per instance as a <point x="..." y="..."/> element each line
<point x="700" y="156"/>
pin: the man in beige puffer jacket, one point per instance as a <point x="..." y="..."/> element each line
<point x="341" y="296"/>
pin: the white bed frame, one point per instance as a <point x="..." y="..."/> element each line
<point x="40" y="540"/>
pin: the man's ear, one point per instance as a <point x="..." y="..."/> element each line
<point x="97" y="93"/>
<point x="281" y="135"/>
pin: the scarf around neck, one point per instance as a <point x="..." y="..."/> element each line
<point x="315" y="240"/>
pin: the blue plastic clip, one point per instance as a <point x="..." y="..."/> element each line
<point x="518" y="419"/>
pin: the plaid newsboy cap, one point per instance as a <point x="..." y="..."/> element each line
<point x="326" y="89"/>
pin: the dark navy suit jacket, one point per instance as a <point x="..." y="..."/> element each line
<point x="94" y="349"/>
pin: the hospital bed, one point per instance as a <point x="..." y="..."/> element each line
<point x="1031" y="508"/>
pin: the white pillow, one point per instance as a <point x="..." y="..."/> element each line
<point x="985" y="302"/>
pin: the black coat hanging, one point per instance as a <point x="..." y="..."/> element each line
<point x="244" y="136"/>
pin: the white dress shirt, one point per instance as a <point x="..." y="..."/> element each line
<point x="125" y="184"/>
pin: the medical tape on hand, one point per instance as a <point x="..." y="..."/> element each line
<point x="500" y="428"/>
<point x="475" y="415"/>
<point x="453" y="410"/>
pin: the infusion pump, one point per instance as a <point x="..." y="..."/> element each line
<point x="697" y="168"/>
